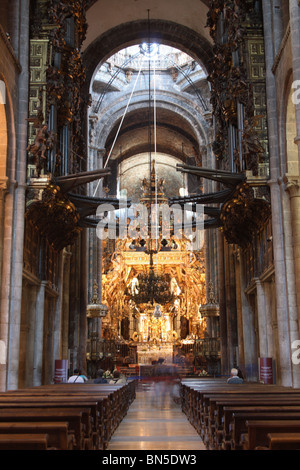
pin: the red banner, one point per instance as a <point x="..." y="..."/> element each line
<point x="61" y="371"/>
<point x="266" y="370"/>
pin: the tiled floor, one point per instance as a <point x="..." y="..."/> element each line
<point x="155" y="422"/>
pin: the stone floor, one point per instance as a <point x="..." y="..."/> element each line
<point x="155" y="422"/>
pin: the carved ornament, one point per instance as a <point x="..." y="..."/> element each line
<point x="55" y="217"/>
<point x="244" y="216"/>
<point x="292" y="185"/>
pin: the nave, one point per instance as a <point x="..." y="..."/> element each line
<point x="190" y="416"/>
<point x="155" y="422"/>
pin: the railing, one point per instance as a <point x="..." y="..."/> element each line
<point x="208" y="348"/>
<point x="100" y="348"/>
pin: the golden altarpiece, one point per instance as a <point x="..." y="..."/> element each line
<point x="153" y="289"/>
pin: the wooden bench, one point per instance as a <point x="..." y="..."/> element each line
<point x="210" y="408"/>
<point x="204" y="404"/>
<point x="58" y="434"/>
<point x="112" y="406"/>
<point x="218" y="405"/>
<point x="265" y="401"/>
<point x="257" y="435"/>
<point x="192" y="394"/>
<point x="24" y="442"/>
<point x="106" y="405"/>
<point x="120" y="396"/>
<point x="284" y="441"/>
<point x="52" y="406"/>
<point x="235" y="417"/>
<point x="71" y="416"/>
<point x="241" y="420"/>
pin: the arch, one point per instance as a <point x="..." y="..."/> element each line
<point x="132" y="33"/>
<point x="181" y="119"/>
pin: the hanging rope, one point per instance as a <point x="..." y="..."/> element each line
<point x="155" y="156"/>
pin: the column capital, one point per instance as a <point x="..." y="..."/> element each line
<point x="292" y="185"/>
<point x="4" y="184"/>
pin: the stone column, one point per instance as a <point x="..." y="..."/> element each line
<point x="39" y="335"/>
<point x="3" y="317"/>
<point x="3" y="192"/>
<point x="270" y="303"/>
<point x="249" y="334"/>
<point x="57" y="333"/>
<point x="241" y="345"/>
<point x="291" y="204"/>
<point x="6" y="285"/>
<point x="222" y="303"/>
<point x="65" y="304"/>
<point x="290" y="273"/>
<point x="19" y="208"/>
<point x="293" y="189"/>
<point x="29" y="299"/>
<point x="262" y="320"/>
<point x="292" y="181"/>
<point x="83" y="302"/>
<point x="277" y="220"/>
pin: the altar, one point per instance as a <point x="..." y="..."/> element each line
<point x="147" y="354"/>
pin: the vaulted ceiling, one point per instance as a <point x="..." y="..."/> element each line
<point x="114" y="25"/>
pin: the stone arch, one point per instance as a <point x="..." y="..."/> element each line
<point x="197" y="124"/>
<point x="131" y="33"/>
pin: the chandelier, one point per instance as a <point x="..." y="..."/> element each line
<point x="152" y="288"/>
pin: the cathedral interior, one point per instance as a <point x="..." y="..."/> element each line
<point x="149" y="197"/>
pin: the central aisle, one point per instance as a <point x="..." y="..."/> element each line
<point x="155" y="422"/>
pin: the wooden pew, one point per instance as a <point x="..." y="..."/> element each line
<point x="210" y="408"/>
<point x="87" y="409"/>
<point x="24" y="442"/>
<point x="240" y="422"/>
<point x="108" y="404"/>
<point x="58" y="434"/>
<point x="218" y="404"/>
<point x="71" y="416"/>
<point x="284" y="441"/>
<point x="229" y="438"/>
<point x="114" y="401"/>
<point x="207" y="402"/>
<point x="257" y="435"/>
